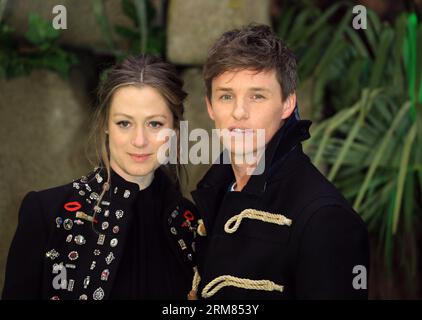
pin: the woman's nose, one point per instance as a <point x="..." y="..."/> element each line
<point x="140" y="138"/>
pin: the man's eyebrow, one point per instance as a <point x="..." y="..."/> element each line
<point x="223" y="89"/>
<point x="250" y="89"/>
<point x="259" y="89"/>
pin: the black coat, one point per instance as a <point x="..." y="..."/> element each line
<point x="42" y="244"/>
<point x="312" y="258"/>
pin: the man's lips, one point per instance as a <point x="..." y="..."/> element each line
<point x="240" y="130"/>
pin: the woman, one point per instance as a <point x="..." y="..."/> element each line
<point x="124" y="231"/>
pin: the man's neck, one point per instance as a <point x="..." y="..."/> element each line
<point x="243" y="170"/>
<point x="242" y="173"/>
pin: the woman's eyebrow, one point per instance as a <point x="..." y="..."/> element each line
<point x="122" y="114"/>
<point x="148" y="117"/>
<point x="156" y="115"/>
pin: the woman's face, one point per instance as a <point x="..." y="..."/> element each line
<point x="137" y="114"/>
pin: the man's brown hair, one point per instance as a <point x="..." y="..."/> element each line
<point x="255" y="47"/>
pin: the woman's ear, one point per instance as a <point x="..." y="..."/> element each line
<point x="288" y="106"/>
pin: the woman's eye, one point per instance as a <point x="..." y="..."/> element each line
<point x="155" y="124"/>
<point x="123" y="124"/>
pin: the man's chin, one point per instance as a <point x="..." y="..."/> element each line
<point x="246" y="157"/>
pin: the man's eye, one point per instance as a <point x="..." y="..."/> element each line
<point x="257" y="97"/>
<point x="155" y="124"/>
<point x="123" y="124"/>
<point x="226" y="97"/>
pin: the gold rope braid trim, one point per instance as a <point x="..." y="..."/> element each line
<point x="195" y="283"/>
<point x="257" y="215"/>
<point x="226" y="280"/>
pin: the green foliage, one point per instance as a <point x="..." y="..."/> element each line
<point x="41" y="33"/>
<point x="146" y="37"/>
<point x="322" y="51"/>
<point x="38" y="50"/>
<point x="371" y="145"/>
<point x="335" y="58"/>
<point x="143" y="37"/>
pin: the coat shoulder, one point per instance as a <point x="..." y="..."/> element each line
<point x="333" y="244"/>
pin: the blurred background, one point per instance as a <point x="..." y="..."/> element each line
<point x="361" y="87"/>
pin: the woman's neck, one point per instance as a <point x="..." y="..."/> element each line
<point x="144" y="181"/>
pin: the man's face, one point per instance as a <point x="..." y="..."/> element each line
<point x="244" y="101"/>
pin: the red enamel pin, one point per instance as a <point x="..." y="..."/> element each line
<point x="189" y="217"/>
<point x="72" y="206"/>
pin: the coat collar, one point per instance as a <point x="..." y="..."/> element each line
<point x="213" y="187"/>
<point x="285" y="139"/>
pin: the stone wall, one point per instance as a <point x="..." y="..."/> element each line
<point x="43" y="126"/>
<point x="194" y="24"/>
<point x="83" y="30"/>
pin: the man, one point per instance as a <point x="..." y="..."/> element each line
<point x="286" y="233"/>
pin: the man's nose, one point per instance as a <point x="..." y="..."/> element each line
<point x="240" y="111"/>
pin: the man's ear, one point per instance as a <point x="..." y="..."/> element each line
<point x="289" y="106"/>
<point x="209" y="108"/>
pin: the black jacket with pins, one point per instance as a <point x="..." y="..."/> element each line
<point x="313" y="258"/>
<point x="42" y="244"/>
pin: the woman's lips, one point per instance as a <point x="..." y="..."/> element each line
<point x="139" y="157"/>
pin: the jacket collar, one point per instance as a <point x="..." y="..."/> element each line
<point x="90" y="187"/>
<point x="123" y="191"/>
<point x="213" y="187"/>
<point x="287" y="138"/>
